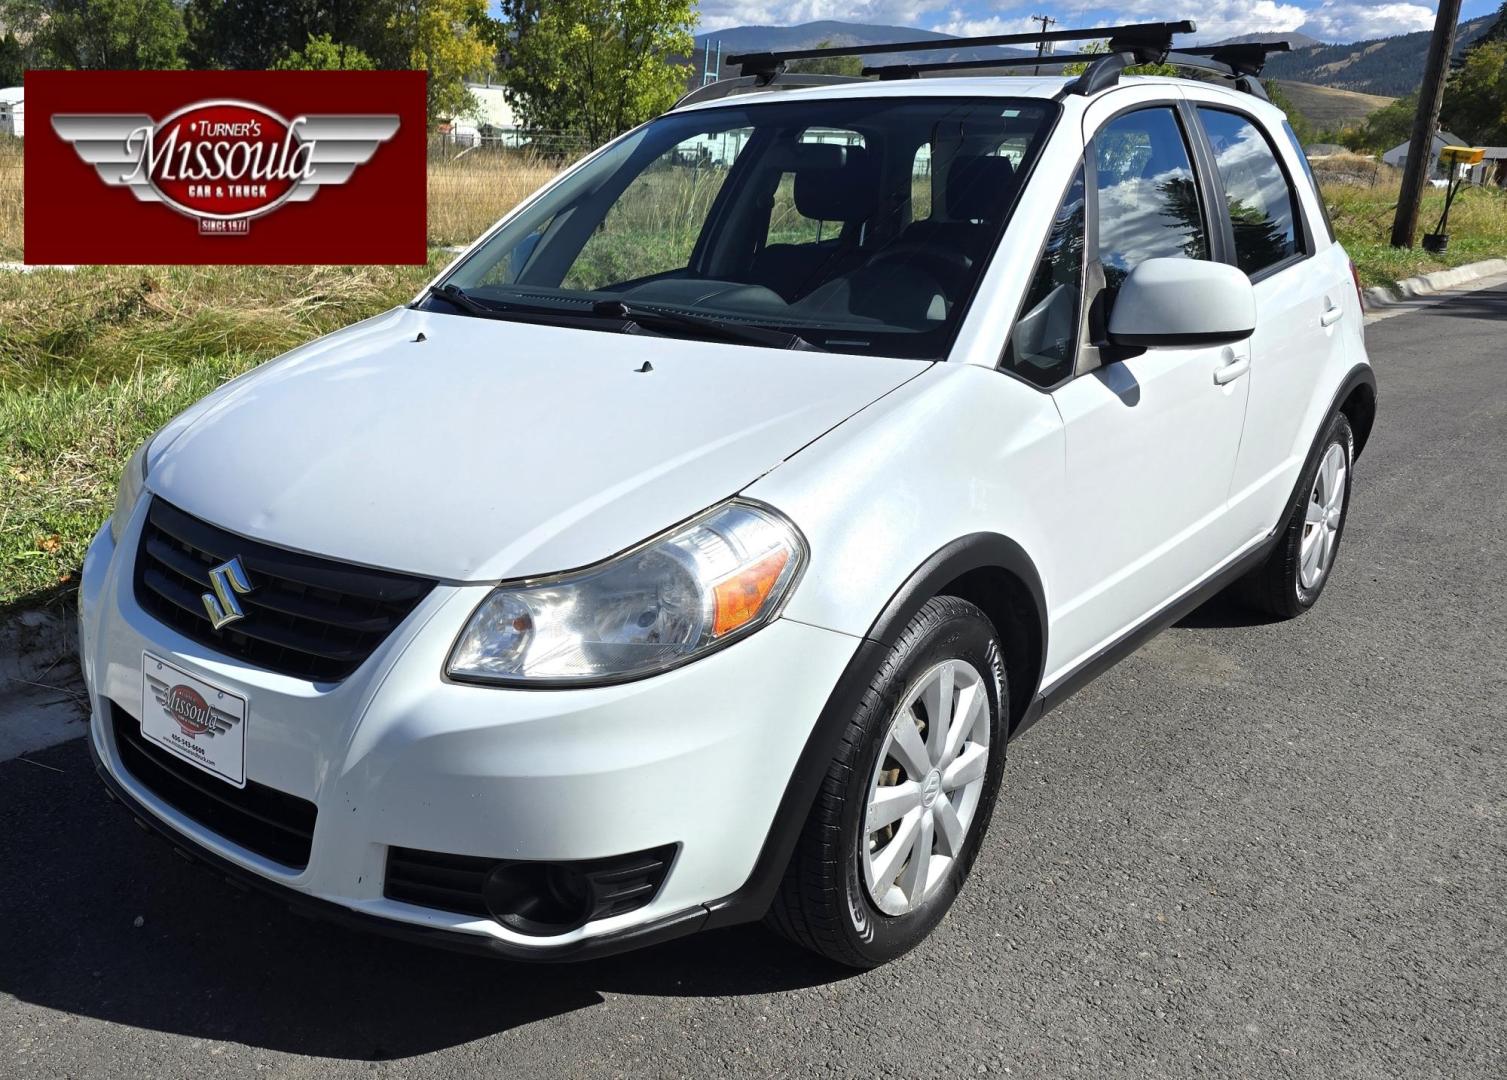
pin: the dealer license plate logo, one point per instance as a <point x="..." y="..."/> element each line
<point x="200" y="722"/>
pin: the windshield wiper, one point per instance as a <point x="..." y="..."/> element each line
<point x="454" y="294"/>
<point x="501" y="309"/>
<point x="650" y="318"/>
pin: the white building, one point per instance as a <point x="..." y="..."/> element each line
<point x="1398" y="155"/>
<point x="12" y="112"/>
<point x="491" y="118"/>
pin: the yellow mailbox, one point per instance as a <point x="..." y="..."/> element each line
<point x="1462" y="155"/>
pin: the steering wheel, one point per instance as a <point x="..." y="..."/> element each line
<point x="951" y="262"/>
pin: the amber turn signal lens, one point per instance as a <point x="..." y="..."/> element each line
<point x="737" y="599"/>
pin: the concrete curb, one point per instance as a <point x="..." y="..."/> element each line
<point x="1380" y="296"/>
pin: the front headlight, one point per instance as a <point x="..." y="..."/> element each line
<point x="709" y="582"/>
<point x="132" y="480"/>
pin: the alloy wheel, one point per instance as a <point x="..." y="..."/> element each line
<point x="1321" y="523"/>
<point x="926" y="786"/>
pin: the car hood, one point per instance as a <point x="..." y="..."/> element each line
<point x="471" y="449"/>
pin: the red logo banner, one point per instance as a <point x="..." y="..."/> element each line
<point x="225" y="167"/>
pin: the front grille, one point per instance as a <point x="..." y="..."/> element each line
<point x="272" y="823"/>
<point x="610" y="886"/>
<point x="311" y="618"/>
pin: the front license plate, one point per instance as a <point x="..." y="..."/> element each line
<point x="202" y="723"/>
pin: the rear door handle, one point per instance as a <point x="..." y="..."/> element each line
<point x="1230" y="372"/>
<point x="1332" y="314"/>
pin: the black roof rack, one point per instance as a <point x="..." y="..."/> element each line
<point x="1147" y="35"/>
<point x="786" y="80"/>
<point x="1127" y="46"/>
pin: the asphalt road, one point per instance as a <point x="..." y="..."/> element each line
<point x="1251" y="850"/>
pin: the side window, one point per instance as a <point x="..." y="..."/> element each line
<point x="1261" y="201"/>
<point x="1043" y="342"/>
<point x="1148" y="200"/>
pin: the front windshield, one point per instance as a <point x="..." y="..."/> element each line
<point x="858" y="225"/>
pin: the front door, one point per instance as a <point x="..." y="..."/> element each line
<point x="1151" y="439"/>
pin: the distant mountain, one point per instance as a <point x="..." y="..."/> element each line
<point x="809" y="35"/>
<point x="1390" y="66"/>
<point x="1296" y="38"/>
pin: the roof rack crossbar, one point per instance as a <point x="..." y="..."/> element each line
<point x="1245" y="57"/>
<point x="1242" y="62"/>
<point x="769" y="64"/>
<point x="908" y="71"/>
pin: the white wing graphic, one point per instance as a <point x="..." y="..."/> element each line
<point x="340" y="144"/>
<point x="112" y="144"/>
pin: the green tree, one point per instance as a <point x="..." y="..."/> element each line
<point x="98" y="34"/>
<point x="828" y="65"/>
<point x="1386" y="127"/>
<point x="1133" y="69"/>
<point x="12" y="61"/>
<point x="453" y="40"/>
<point x="597" y="67"/>
<point x="250" y="34"/>
<point x="1475" y="99"/>
<point x="324" y="53"/>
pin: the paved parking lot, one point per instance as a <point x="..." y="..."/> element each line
<point x="1251" y="850"/>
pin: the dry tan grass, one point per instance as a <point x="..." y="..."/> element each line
<point x="10" y="199"/>
<point x="468" y="194"/>
<point x="1356" y="170"/>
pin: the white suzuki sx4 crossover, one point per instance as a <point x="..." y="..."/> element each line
<point x="691" y="550"/>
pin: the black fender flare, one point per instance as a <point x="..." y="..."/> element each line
<point x="976" y="551"/>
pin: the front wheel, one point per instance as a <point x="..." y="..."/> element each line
<point x="907" y="799"/>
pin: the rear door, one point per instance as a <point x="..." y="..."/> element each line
<point x="1304" y="295"/>
<point x="1151" y="435"/>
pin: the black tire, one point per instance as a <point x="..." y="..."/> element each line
<point x="1276" y="586"/>
<point x="823" y="903"/>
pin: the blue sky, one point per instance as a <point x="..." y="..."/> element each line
<point x="1329" y="20"/>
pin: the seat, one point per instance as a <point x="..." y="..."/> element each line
<point x="832" y="183"/>
<point x="977" y="192"/>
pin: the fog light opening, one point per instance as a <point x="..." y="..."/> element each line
<point x="538" y="898"/>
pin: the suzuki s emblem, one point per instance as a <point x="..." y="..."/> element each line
<point x="226" y="580"/>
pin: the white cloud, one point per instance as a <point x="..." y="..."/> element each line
<point x="1216" y="19"/>
<point x="720" y="14"/>
<point x="1330" y="20"/>
<point x="961" y="25"/>
<point x="1354" y="20"/>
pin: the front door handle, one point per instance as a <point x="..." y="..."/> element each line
<point x="1230" y="372"/>
<point x="1332" y="314"/>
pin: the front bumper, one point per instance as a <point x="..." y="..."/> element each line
<point x="397" y="756"/>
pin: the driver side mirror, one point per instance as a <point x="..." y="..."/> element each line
<point x="1182" y="302"/>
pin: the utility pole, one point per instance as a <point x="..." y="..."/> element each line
<point x="1430" y="97"/>
<point x="1041" y="46"/>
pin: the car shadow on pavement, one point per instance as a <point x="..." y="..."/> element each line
<point x="98" y="919"/>
<point x="1220" y="612"/>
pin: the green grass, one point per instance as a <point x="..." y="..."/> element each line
<point x="93" y="361"/>
<point x="1363" y="221"/>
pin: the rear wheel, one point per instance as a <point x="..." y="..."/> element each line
<point x="1291" y="579"/>
<point x="907" y="799"/>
